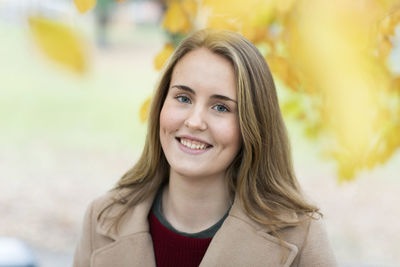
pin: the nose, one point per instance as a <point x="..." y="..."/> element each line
<point x="196" y="120"/>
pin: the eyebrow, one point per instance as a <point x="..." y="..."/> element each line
<point x="190" y="90"/>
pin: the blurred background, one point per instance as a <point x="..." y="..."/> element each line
<point x="76" y="78"/>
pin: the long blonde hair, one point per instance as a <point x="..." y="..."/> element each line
<point x="262" y="174"/>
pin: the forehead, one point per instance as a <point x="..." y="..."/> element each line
<point x="202" y="69"/>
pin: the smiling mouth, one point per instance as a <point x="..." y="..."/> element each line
<point x="192" y="144"/>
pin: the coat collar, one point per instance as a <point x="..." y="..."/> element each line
<point x="135" y="220"/>
<point x="239" y="242"/>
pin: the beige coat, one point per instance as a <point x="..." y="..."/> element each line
<point x="239" y="242"/>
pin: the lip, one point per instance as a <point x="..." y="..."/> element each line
<point x="189" y="150"/>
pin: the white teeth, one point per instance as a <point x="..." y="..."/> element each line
<point x="193" y="144"/>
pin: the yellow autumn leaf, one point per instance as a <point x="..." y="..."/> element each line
<point x="390" y="22"/>
<point x="348" y="90"/>
<point x="284" y="6"/>
<point x="163" y="56"/>
<point x="266" y="13"/>
<point x="371" y="159"/>
<point x="59" y="43"/>
<point x="284" y="70"/>
<point x="176" y="20"/>
<point x="190" y="8"/>
<point x="384" y="48"/>
<point x="386" y="30"/>
<point x="232" y="15"/>
<point x="144" y="110"/>
<point x="293" y="109"/>
<point x="390" y="143"/>
<point x="254" y="34"/>
<point x="346" y="172"/>
<point x="396" y="85"/>
<point x="235" y="8"/>
<point x="84" y="6"/>
<point x="222" y="23"/>
<point x="313" y="131"/>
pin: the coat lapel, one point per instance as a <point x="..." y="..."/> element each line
<point x="132" y="246"/>
<point x="238" y="244"/>
<point x="130" y="251"/>
<point x="242" y="242"/>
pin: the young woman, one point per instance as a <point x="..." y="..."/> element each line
<point x="215" y="184"/>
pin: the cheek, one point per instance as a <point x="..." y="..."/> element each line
<point x="235" y="138"/>
<point x="164" y="125"/>
<point x="169" y="121"/>
<point x="164" y="121"/>
<point x="229" y="133"/>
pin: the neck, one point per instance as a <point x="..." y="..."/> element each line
<point x="193" y="204"/>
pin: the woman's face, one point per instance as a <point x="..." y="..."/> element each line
<point x="199" y="125"/>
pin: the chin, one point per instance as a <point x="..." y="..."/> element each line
<point x="191" y="172"/>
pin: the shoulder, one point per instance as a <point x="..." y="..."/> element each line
<point x="99" y="206"/>
<point x="103" y="210"/>
<point x="118" y="213"/>
<point x="311" y="239"/>
<point x="107" y="205"/>
<point x="89" y="240"/>
<point x="307" y="236"/>
<point x="105" y="200"/>
<point x="305" y="226"/>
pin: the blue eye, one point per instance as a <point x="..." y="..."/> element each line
<point x="220" y="108"/>
<point x="183" y="99"/>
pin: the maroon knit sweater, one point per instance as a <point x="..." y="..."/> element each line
<point x="174" y="250"/>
